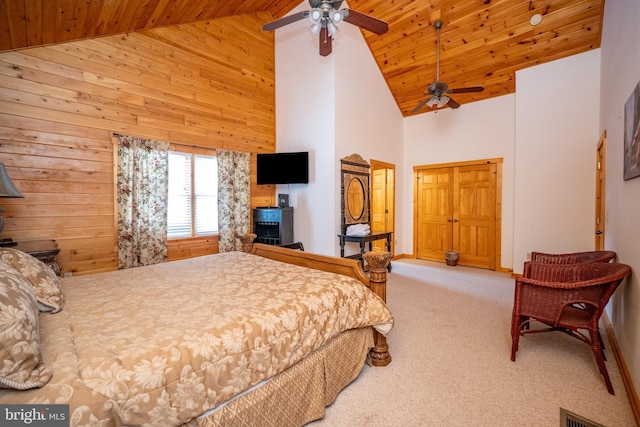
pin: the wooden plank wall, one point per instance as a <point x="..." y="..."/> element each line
<point x="208" y="84"/>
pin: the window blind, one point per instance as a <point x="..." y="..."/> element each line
<point x="179" y="211"/>
<point x="206" y="194"/>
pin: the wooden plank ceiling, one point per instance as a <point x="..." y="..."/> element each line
<point x="483" y="42"/>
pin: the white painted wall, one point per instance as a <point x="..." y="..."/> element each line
<point x="547" y="140"/>
<point x="368" y="121"/>
<point x="332" y="106"/>
<point x="479" y="130"/>
<point x="305" y="121"/>
<point x="620" y="72"/>
<point x="557" y="132"/>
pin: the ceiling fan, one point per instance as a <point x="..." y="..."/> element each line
<point x="439" y="90"/>
<point x="325" y="17"/>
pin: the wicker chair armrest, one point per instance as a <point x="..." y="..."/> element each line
<point x="573" y="276"/>
<point x="550" y="284"/>
<point x="573" y="258"/>
<point x="562" y="285"/>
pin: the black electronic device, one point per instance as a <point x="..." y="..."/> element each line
<point x="283" y="168"/>
<point x="283" y="200"/>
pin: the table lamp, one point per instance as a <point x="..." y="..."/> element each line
<point x="7" y="189"/>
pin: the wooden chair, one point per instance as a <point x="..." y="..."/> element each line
<point x="573" y="258"/>
<point x="566" y="298"/>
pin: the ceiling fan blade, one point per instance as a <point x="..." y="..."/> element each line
<point x="325" y="42"/>
<point x="453" y="104"/>
<point x="365" y="21"/>
<point x="420" y="105"/>
<point x="466" y="89"/>
<point x="270" y="26"/>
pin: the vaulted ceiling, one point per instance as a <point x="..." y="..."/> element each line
<point x="483" y="42"/>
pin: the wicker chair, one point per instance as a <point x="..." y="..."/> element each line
<point x="565" y="298"/>
<point x="573" y="258"/>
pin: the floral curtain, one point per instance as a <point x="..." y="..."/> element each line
<point x="142" y="201"/>
<point x="234" y="193"/>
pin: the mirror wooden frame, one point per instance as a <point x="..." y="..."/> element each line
<point x="354" y="169"/>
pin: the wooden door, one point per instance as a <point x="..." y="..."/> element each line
<point x="457" y="207"/>
<point x="601" y="169"/>
<point x="474" y="215"/>
<point x="382" y="201"/>
<point x="434" y="201"/>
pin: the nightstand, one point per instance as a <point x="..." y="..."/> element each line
<point x="44" y="250"/>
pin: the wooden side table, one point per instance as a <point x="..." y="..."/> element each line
<point x="362" y="240"/>
<point x="44" y="250"/>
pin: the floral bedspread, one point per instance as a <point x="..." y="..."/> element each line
<point x="162" y="344"/>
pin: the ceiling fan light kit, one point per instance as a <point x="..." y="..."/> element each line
<point x="320" y="19"/>
<point x="315" y="15"/>
<point x="325" y="15"/>
<point x="439" y="90"/>
<point x="438" y="101"/>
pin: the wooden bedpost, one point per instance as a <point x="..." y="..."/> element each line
<point x="378" y="262"/>
<point x="247" y="241"/>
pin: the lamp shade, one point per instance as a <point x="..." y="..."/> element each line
<point x="7" y="189"/>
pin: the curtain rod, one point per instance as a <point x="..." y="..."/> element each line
<point x="174" y="144"/>
<point x="197" y="147"/>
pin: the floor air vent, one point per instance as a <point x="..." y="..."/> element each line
<point x="569" y="419"/>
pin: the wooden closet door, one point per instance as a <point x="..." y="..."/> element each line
<point x="434" y="213"/>
<point x="474" y="215"/>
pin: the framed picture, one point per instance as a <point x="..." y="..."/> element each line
<point x="632" y="135"/>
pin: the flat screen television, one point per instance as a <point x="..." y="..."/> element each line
<point x="283" y="168"/>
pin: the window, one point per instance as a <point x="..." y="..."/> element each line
<point x="193" y="195"/>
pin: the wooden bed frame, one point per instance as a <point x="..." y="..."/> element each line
<point x="376" y="281"/>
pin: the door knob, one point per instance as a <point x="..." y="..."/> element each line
<point x="455" y="220"/>
<point x="598" y="232"/>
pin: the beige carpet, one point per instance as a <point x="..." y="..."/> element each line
<point x="451" y="349"/>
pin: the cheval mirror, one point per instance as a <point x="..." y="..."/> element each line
<point x="354" y="191"/>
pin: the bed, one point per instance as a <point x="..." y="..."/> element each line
<point x="265" y="336"/>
